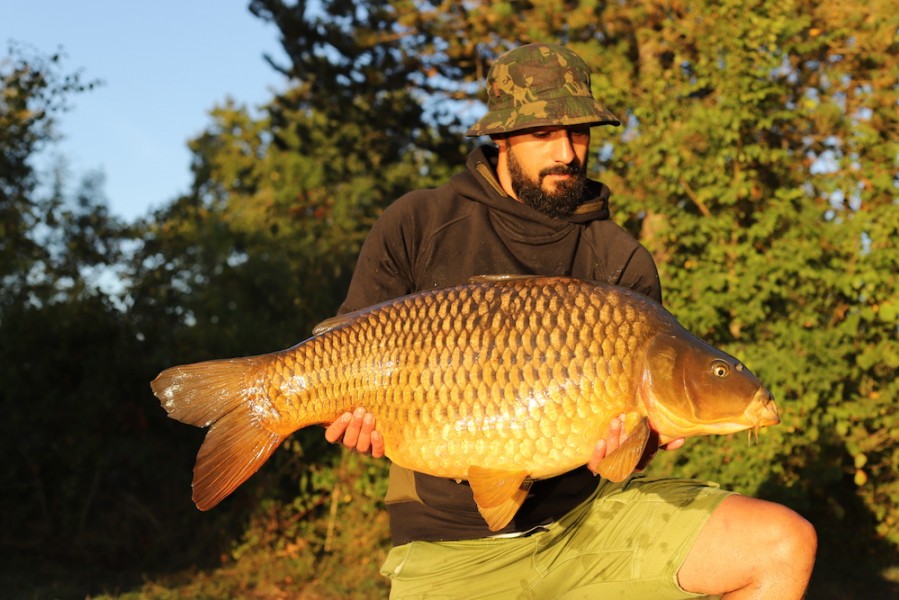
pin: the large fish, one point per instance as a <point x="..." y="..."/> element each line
<point x="499" y="382"/>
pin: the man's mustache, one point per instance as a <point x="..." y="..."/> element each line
<point x="573" y="168"/>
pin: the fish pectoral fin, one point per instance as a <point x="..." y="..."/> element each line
<point x="498" y="493"/>
<point x="624" y="459"/>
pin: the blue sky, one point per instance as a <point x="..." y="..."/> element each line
<point x="164" y="64"/>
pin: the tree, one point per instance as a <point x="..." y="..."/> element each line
<point x="33" y="90"/>
<point x="69" y="361"/>
<point x="757" y="161"/>
<point x="759" y="164"/>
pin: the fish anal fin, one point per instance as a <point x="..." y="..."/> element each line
<point x="498" y="493"/>
<point x="624" y="460"/>
<point x="235" y="447"/>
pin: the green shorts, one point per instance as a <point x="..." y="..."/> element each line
<point x="628" y="540"/>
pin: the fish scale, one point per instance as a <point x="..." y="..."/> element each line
<point x="497" y="382"/>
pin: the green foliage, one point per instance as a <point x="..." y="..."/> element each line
<point x="756" y="164"/>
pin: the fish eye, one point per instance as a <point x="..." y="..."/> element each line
<point x="720" y="368"/>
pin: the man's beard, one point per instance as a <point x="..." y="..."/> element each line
<point x="560" y="203"/>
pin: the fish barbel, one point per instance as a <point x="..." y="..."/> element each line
<point x="498" y="382"/>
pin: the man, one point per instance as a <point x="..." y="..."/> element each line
<point x="527" y="207"/>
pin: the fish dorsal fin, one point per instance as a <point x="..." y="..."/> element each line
<point x="329" y="324"/>
<point x="499" y="278"/>
<point x="338" y="320"/>
<point x="625" y="458"/>
<point x="334" y="322"/>
<point x="498" y="493"/>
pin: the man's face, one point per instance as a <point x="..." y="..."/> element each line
<point x="547" y="168"/>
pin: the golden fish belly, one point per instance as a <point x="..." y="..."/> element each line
<point x="510" y="377"/>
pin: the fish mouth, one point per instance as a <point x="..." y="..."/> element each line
<point x="761" y="412"/>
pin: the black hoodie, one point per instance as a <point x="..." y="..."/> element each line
<point x="442" y="237"/>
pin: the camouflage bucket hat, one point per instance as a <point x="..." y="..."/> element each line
<point x="539" y="85"/>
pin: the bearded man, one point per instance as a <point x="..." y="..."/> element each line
<point x="526" y="206"/>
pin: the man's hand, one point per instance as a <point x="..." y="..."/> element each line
<point x="356" y="431"/>
<point x="617" y="436"/>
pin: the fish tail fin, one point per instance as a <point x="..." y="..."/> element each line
<point x="215" y="394"/>
<point x="235" y="447"/>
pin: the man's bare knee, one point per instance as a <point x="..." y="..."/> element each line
<point x="796" y="542"/>
<point x="751" y="548"/>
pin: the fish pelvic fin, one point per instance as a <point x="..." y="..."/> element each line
<point x="498" y="493"/>
<point x="624" y="460"/>
<point x="216" y="394"/>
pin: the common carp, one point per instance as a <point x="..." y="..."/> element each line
<point x="499" y="382"/>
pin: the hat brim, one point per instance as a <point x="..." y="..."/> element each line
<point x="556" y="112"/>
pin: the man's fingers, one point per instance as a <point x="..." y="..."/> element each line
<point x="351" y="435"/>
<point x="335" y="430"/>
<point x="366" y="426"/>
<point x="616" y="435"/>
<point x="612" y="436"/>
<point x="356" y="431"/>
<point x="674" y="444"/>
<point x="377" y="444"/>
<point x="599" y="453"/>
